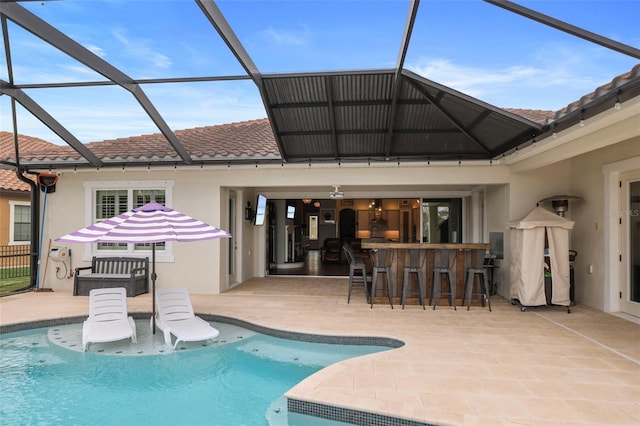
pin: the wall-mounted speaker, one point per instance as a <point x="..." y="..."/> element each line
<point x="327" y="216"/>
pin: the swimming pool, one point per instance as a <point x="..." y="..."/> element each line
<point x="239" y="379"/>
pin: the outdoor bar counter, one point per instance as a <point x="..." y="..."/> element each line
<point x="460" y="255"/>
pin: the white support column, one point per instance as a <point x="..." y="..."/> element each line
<point x="477" y="216"/>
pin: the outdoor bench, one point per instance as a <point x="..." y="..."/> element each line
<point x="131" y="273"/>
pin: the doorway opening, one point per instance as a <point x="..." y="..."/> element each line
<point x="322" y="226"/>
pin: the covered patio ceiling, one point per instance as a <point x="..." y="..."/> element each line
<point x="351" y="116"/>
<point x="385" y="115"/>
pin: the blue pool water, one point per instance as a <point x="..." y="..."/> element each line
<point x="237" y="380"/>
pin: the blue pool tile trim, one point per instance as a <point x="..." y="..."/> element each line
<point x="307" y="337"/>
<point x="12" y="328"/>
<point x="346" y="415"/>
<point x="290" y="335"/>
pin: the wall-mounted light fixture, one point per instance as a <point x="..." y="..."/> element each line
<point x="47" y="182"/>
<point x="249" y="213"/>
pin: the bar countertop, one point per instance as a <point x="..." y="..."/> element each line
<point x="450" y="246"/>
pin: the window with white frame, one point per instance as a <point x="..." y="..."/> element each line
<point x="19" y="222"/>
<point x="113" y="198"/>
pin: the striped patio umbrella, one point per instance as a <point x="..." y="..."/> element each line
<point x="152" y="223"/>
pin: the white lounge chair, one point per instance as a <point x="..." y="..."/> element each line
<point x="108" y="317"/>
<point x="175" y="316"/>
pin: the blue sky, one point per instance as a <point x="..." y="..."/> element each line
<point x="469" y="45"/>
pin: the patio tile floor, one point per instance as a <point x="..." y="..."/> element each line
<point x="540" y="367"/>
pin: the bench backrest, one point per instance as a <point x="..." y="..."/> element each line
<point x="118" y="265"/>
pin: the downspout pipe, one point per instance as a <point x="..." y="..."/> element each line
<point x="35" y="230"/>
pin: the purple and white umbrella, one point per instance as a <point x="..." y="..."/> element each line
<point x="152" y="223"/>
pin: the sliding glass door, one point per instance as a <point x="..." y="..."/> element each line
<point x="442" y="220"/>
<point x="630" y="229"/>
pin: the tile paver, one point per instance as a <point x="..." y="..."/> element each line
<point x="540" y="367"/>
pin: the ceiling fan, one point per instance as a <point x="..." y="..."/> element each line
<point x="336" y="193"/>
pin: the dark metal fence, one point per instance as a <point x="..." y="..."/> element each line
<point x="14" y="261"/>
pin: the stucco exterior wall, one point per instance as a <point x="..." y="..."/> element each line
<point x="195" y="265"/>
<point x="5" y="213"/>
<point x="588" y="236"/>
<point x="527" y="188"/>
<point x="203" y="266"/>
<point x="496" y="198"/>
<point x="515" y="200"/>
<point x="4" y="219"/>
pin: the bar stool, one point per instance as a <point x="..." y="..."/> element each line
<point x="476" y="268"/>
<point x="381" y="260"/>
<point x="356" y="264"/>
<point x="441" y="266"/>
<point x="414" y="266"/>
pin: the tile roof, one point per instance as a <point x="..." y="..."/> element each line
<point x="537" y="116"/>
<point x="601" y="91"/>
<point x="233" y="141"/>
<point x="10" y="182"/>
<point x="249" y="141"/>
<point x="242" y="140"/>
<point x="27" y="144"/>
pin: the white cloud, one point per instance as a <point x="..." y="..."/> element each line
<point x="286" y="37"/>
<point x="193" y="105"/>
<point x="97" y="50"/>
<point x="80" y="72"/>
<point x="140" y="49"/>
<point x="95" y="114"/>
<point x="548" y="85"/>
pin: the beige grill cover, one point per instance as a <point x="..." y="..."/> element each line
<point x="527" y="257"/>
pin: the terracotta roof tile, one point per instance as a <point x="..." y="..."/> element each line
<point x="600" y="91"/>
<point x="246" y="139"/>
<point x="537" y="116"/>
<point x="241" y="140"/>
<point x="8" y="179"/>
<point x="10" y="182"/>
<point x="25" y="144"/>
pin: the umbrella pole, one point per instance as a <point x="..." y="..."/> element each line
<point x="153" y="287"/>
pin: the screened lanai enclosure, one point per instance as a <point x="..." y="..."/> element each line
<point x="361" y="114"/>
<point x="138" y="85"/>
